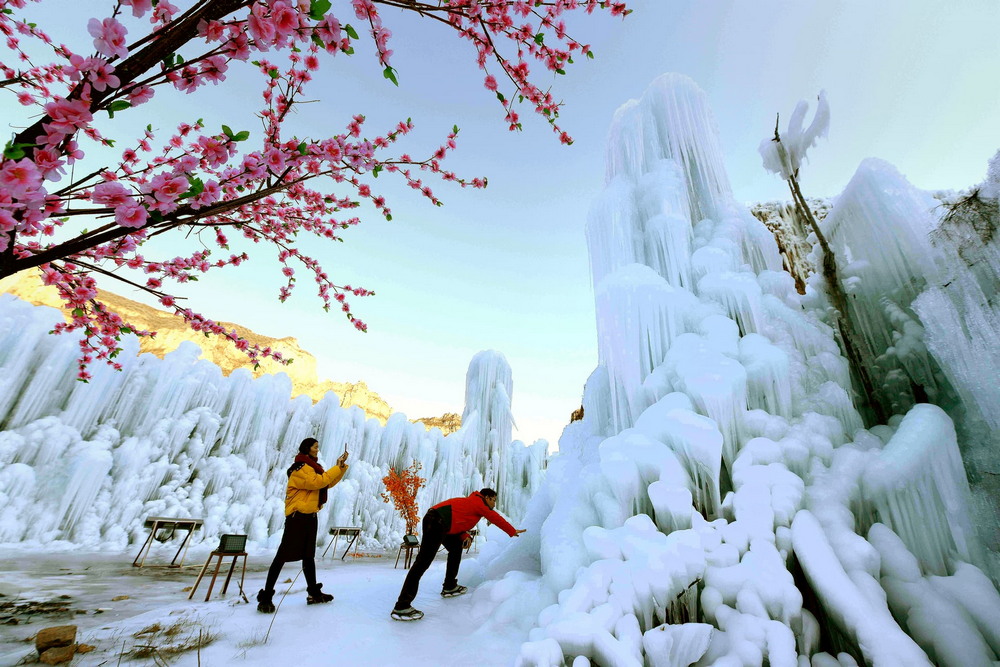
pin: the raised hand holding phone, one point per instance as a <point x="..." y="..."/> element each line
<point x="343" y="457"/>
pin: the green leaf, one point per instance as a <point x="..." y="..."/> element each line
<point x="242" y="136"/>
<point x="539" y="38"/>
<point x="197" y="187"/>
<point x="168" y="61"/>
<point x="390" y="73"/>
<point x="502" y="99"/>
<point x="349" y="50"/>
<point x="454" y="129"/>
<point x="15" y="151"/>
<point x="126" y="330"/>
<point x="273" y="73"/>
<point x="389" y="217"/>
<point x="303" y="148"/>
<point x="560" y="71"/>
<point x="318" y="41"/>
<point x="590" y="54"/>
<point x="318" y="8"/>
<point x="117" y="105"/>
<point x="227" y="131"/>
<point x="351" y="32"/>
<point x="376" y="170"/>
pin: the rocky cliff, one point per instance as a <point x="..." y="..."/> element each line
<point x="171" y="332"/>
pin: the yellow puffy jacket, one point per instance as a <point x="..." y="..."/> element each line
<point x="304" y="485"/>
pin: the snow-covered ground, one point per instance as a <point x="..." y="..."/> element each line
<point x="355" y="629"/>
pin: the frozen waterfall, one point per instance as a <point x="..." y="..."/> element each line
<point x="721" y="503"/>
<point x="83" y="464"/>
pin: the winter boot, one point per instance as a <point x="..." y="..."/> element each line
<point x="317" y="596"/>
<point x="265" y="605"/>
<point x="453" y="592"/>
<point x="408" y="614"/>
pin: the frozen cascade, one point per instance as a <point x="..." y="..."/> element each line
<point x="749" y="545"/>
<point x="879" y="230"/>
<point x="671" y="122"/>
<point x="918" y="488"/>
<point x="174" y="437"/>
<point x="488" y="392"/>
<point x="647" y="314"/>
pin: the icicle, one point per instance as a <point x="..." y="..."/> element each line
<point x="919" y="489"/>
<point x="640" y="315"/>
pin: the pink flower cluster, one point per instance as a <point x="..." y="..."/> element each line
<point x="203" y="181"/>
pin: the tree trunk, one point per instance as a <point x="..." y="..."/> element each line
<point x="835" y="290"/>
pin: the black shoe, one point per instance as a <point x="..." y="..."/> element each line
<point x="265" y="605"/>
<point x="408" y="614"/>
<point x="317" y="596"/>
<point x="453" y="592"/>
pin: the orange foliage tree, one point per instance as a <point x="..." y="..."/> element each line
<point x="401" y="488"/>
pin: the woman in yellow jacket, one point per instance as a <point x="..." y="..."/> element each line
<point x="306" y="495"/>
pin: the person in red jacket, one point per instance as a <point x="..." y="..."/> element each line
<point x="447" y="523"/>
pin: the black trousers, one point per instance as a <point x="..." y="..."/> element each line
<point x="298" y="542"/>
<point x="433" y="538"/>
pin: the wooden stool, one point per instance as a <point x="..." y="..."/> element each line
<point x="410" y="543"/>
<point x="230" y="545"/>
<point x="351" y="532"/>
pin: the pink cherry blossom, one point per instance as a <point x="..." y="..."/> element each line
<point x="111" y="194"/>
<point x="140" y="94"/>
<point x="109" y="37"/>
<point x="20" y="177"/>
<point x="131" y="215"/>
<point x="139" y="7"/>
<point x="260" y="187"/>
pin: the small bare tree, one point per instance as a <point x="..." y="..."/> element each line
<point x="784" y="158"/>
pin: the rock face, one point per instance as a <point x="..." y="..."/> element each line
<point x="171" y="331"/>
<point x="449" y="422"/>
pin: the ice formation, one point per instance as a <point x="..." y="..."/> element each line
<point x="83" y="464"/>
<point x="721" y="502"/>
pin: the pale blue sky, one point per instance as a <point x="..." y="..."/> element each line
<point x="912" y="82"/>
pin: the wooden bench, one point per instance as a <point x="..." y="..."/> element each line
<point x="167" y="527"/>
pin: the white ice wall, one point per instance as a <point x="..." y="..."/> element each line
<point x="84" y="464"/>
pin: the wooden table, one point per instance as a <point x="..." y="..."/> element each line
<point x="172" y="524"/>
<point x="347" y="531"/>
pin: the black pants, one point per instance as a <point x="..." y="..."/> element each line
<point x="298" y="542"/>
<point x="434" y="537"/>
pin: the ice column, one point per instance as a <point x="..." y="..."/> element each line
<point x="488" y="392"/>
<point x="672" y="121"/>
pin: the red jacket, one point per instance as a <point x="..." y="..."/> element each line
<point x="464" y="513"/>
